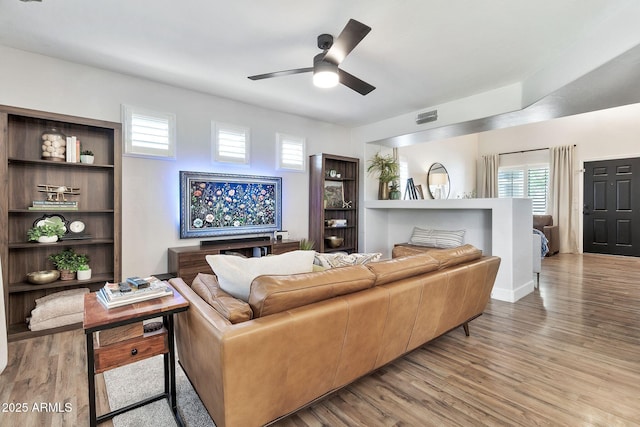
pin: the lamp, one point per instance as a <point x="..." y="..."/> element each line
<point x="325" y="74"/>
<point x="438" y="180"/>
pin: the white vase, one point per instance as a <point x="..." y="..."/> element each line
<point x="47" y="239"/>
<point x="83" y="274"/>
<point x="86" y="159"/>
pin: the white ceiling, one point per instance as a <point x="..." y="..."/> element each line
<point x="419" y="53"/>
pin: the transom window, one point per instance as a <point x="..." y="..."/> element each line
<point x="148" y="133"/>
<point x="291" y="152"/>
<point x="231" y="143"/>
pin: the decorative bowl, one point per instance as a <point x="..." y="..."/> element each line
<point x="334" y="241"/>
<point x="43" y="276"/>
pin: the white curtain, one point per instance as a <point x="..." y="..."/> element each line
<point x="489" y="176"/>
<point x="561" y="186"/>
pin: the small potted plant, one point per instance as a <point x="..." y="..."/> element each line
<point x="394" y="191"/>
<point x="68" y="262"/>
<point x="84" y="272"/>
<point x="387" y="170"/>
<point x="86" y="156"/>
<point x="47" y="233"/>
<point x="307" y="245"/>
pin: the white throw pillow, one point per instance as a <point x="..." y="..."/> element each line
<point x="235" y="274"/>
<point x="437" y="238"/>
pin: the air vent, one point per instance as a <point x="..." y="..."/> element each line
<point x="429" y="116"/>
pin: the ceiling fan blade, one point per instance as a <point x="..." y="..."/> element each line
<point x="281" y="73"/>
<point x="351" y="35"/>
<point x="354" y="83"/>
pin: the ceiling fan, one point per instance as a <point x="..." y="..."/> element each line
<point x="325" y="65"/>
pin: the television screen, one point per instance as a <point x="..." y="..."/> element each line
<point x="213" y="204"/>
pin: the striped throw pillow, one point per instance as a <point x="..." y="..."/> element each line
<point x="437" y="238"/>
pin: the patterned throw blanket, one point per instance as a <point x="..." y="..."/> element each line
<point x="544" y="247"/>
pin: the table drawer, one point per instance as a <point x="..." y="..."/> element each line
<point x="129" y="351"/>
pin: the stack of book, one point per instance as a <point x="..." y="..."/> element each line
<point x="134" y="289"/>
<point x="47" y="205"/>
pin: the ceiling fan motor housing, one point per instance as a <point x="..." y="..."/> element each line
<point x="325" y="41"/>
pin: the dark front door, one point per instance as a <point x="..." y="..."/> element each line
<point x="612" y="207"/>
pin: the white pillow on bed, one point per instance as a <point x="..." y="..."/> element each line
<point x="235" y="273"/>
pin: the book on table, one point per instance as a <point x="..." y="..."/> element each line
<point x="113" y="295"/>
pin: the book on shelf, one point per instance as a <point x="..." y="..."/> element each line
<point x="113" y="295"/>
<point x="410" y="190"/>
<point x="71" y="149"/>
<point x="52" y="208"/>
<point x="54" y="203"/>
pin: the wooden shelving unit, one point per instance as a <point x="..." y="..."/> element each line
<point x="323" y="184"/>
<point x="99" y="206"/>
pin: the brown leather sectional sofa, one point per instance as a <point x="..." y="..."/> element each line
<point x="314" y="333"/>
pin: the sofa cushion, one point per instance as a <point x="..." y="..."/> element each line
<point x="235" y="274"/>
<point x="407" y="249"/>
<point x="341" y="259"/>
<point x="400" y="268"/>
<point x="437" y="238"/>
<point x="454" y="256"/>
<point x="272" y="293"/>
<point x="232" y="309"/>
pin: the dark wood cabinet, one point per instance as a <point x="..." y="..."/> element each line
<point x="187" y="261"/>
<point x="22" y="170"/>
<point x="333" y="201"/>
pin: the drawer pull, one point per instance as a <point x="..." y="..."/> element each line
<point x="134" y="351"/>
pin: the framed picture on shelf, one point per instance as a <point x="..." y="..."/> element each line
<point x="333" y="194"/>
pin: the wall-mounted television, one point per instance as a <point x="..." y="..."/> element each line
<point x="214" y="204"/>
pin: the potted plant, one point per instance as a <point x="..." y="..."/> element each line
<point x="386" y="168"/>
<point x="307" y="245"/>
<point x="394" y="191"/>
<point x="84" y="272"/>
<point x="86" y="156"/>
<point x="68" y="262"/>
<point x="47" y="233"/>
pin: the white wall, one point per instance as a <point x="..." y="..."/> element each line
<point x="458" y="155"/>
<point x="600" y="135"/>
<point x="150" y="198"/>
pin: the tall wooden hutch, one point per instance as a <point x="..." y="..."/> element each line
<point x="22" y="170"/>
<point x="333" y="201"/>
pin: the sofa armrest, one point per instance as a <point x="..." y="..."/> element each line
<point x="199" y="332"/>
<point x="552" y="234"/>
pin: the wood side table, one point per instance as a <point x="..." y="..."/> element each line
<point x="102" y="358"/>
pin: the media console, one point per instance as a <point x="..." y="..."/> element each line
<point x="187" y="261"/>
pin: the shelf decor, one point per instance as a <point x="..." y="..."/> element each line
<point x="214" y="204"/>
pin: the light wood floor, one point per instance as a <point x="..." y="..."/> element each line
<point x="567" y="354"/>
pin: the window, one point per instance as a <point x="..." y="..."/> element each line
<point x="525" y="181"/>
<point x="290" y="152"/>
<point x="231" y="143"/>
<point x="148" y="133"/>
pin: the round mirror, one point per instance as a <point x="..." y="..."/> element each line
<point x="438" y="181"/>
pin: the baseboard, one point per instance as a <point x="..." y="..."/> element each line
<point x="513" y="295"/>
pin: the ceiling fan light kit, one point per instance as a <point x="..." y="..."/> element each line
<point x="325" y="74"/>
<point x="325" y="65"/>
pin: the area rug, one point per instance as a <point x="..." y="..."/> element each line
<point x="136" y="381"/>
